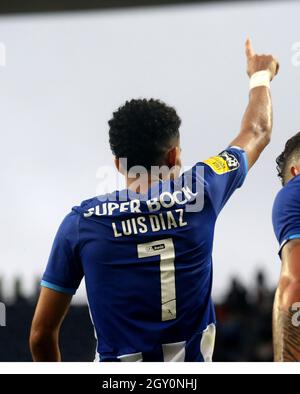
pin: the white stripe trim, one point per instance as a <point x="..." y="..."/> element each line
<point x="174" y="352"/>
<point x="132" y="358"/>
<point x="207" y="344"/>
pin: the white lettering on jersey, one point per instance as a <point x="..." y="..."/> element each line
<point x="166" y="200"/>
<point x="154" y="223"/>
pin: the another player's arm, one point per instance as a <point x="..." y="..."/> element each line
<point x="44" y="336"/>
<point x="286" y="331"/>
<point x="257" y="123"/>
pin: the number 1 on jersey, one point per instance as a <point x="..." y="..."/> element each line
<point x="165" y="249"/>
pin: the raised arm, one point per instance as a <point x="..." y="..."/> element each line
<point x="257" y="123"/>
<point x="44" y="337"/>
<point x="286" y="316"/>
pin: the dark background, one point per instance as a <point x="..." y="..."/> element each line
<point x="244" y="330"/>
<point x="16" y="6"/>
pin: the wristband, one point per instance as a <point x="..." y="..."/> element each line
<point x="261" y="78"/>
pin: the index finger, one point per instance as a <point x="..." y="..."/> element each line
<point x="249" y="50"/>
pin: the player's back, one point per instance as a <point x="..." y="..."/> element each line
<point x="148" y="270"/>
<point x="147" y="263"/>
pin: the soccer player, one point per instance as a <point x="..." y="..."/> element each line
<point x="286" y="220"/>
<point x="146" y="252"/>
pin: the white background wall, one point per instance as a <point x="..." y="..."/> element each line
<point x="65" y="75"/>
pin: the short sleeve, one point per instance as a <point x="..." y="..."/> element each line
<point x="286" y="213"/>
<point x="224" y="174"/>
<point x="64" y="270"/>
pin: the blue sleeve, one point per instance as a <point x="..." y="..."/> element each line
<point x="64" y="270"/>
<point x="286" y="213"/>
<point x="224" y="174"/>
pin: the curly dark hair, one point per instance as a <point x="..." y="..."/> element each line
<point x="292" y="147"/>
<point x="142" y="131"/>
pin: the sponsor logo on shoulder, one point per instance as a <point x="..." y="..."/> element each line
<point x="224" y="163"/>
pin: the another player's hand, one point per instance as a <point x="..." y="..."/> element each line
<point x="260" y="62"/>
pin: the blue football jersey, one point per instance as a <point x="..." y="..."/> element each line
<point x="286" y="212"/>
<point x="147" y="263"/>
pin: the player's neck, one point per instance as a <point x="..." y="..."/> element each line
<point x="143" y="183"/>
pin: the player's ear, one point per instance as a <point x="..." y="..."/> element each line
<point x="295" y="171"/>
<point x="174" y="157"/>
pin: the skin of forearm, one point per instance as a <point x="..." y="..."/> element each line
<point x="51" y="309"/>
<point x="258" y="118"/>
<point x="286" y="333"/>
<point x="45" y="347"/>
<point x="257" y="124"/>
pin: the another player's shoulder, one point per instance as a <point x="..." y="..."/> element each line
<point x="288" y="197"/>
<point x="286" y="211"/>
